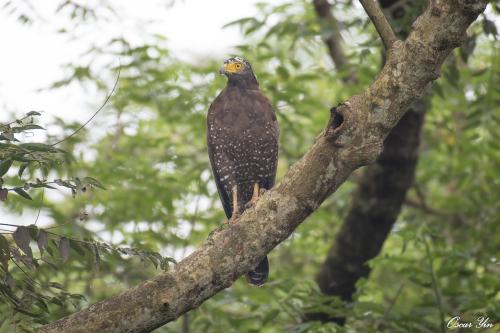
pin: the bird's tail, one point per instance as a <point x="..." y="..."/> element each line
<point x="258" y="276"/>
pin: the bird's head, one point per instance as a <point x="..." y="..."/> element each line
<point x="238" y="71"/>
<point x="236" y="66"/>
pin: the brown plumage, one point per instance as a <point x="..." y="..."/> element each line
<point x="242" y="141"/>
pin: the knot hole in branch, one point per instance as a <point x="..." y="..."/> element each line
<point x="336" y="122"/>
<point x="336" y="118"/>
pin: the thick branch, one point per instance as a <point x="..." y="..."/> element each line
<point x="354" y="138"/>
<point x="380" y="22"/>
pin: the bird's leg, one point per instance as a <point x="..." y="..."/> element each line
<point x="255" y="196"/>
<point x="236" y="209"/>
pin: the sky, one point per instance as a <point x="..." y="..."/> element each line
<point x="32" y="56"/>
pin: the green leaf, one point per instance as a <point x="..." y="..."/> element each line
<point x="40" y="303"/>
<point x="24" y="128"/>
<point x="42" y="240"/>
<point x="64" y="248"/>
<point x="56" y="285"/>
<point x="9" y="280"/>
<point x="33" y="231"/>
<point x="8" y="136"/>
<point x="22" y="168"/>
<point x="22" y="238"/>
<point x="283" y="72"/>
<point x="93" y="182"/>
<point x="75" y="246"/>
<point x="3" y="194"/>
<point x="22" y="193"/>
<point x="241" y="22"/>
<point x="97" y="257"/>
<point x="56" y="301"/>
<point x="4" y="253"/>
<point x="41" y="147"/>
<point x="6" y="326"/>
<point x="5" y="166"/>
<point x="489" y="27"/>
<point x="270" y="316"/>
<point x="78" y="297"/>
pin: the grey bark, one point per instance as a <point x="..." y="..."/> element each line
<point x="353" y="137"/>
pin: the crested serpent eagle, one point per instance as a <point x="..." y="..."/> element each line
<point x="242" y="139"/>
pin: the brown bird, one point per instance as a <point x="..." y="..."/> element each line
<point x="242" y="141"/>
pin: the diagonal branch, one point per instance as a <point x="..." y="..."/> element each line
<point x="353" y="137"/>
<point x="380" y="22"/>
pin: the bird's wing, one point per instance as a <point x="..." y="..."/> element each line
<point x="225" y="197"/>
<point x="272" y="138"/>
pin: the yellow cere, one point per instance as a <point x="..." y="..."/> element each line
<point x="233" y="67"/>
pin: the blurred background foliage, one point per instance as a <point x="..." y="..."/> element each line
<point x="143" y="194"/>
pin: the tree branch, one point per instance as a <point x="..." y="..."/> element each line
<point x="333" y="39"/>
<point x="352" y="138"/>
<point x="380" y="22"/>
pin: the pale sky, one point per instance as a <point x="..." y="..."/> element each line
<point x="32" y="55"/>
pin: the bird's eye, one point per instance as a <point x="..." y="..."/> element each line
<point x="238" y="66"/>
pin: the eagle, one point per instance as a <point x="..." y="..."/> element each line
<point x="242" y="138"/>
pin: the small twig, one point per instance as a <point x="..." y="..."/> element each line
<point x="421" y="203"/>
<point x="420" y="193"/>
<point x="380" y="22"/>
<point x="10" y="225"/>
<point x="25" y="273"/>
<point x="58" y="226"/>
<point x="22" y="187"/>
<point x="424" y="208"/>
<point x="394" y="299"/>
<point x="15" y="121"/>
<point x="95" y="113"/>
<point x="40" y="208"/>
<point x="435" y="287"/>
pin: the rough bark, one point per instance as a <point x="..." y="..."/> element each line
<point x="375" y="205"/>
<point x="353" y="137"/>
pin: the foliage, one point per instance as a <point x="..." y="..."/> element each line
<point x="440" y="260"/>
<point x="22" y="293"/>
